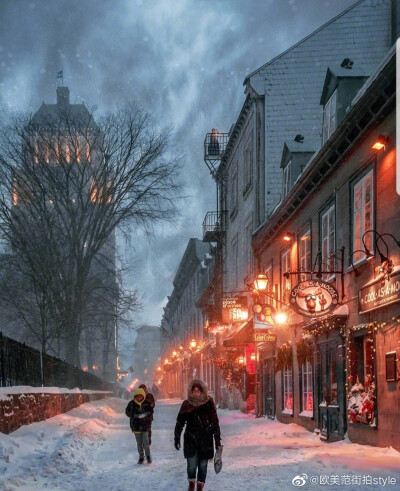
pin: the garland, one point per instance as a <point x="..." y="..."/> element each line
<point x="284" y="357"/>
<point x="305" y="351"/>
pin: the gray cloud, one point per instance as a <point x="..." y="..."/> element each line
<point x="183" y="60"/>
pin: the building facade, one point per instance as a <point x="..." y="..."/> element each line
<point x="335" y="367"/>
<point x="282" y="107"/>
<point x="185" y="342"/>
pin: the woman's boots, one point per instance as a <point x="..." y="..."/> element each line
<point x="192" y="482"/>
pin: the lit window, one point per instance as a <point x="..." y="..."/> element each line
<point x="305" y="254"/>
<point x="285" y="281"/>
<point x="287" y="391"/>
<point x="328" y="240"/>
<point x="361" y="405"/>
<point x="329" y="124"/>
<point x="363" y="210"/>
<point x="307" y="388"/>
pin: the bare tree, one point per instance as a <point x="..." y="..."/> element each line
<point x="66" y="184"/>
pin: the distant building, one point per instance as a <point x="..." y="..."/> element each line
<point x="185" y="337"/>
<point x="62" y="136"/>
<point x="146" y="353"/>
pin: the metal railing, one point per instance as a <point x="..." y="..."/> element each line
<point x="22" y="365"/>
<point x="214" y="224"/>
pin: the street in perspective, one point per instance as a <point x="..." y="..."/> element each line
<point x="199" y="245"/>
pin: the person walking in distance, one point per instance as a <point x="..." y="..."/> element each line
<point x="199" y="414"/>
<point x="150" y="399"/>
<point x="140" y="415"/>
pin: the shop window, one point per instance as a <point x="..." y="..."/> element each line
<point x="306" y="389"/>
<point x="287" y="391"/>
<point x="363" y="209"/>
<point x="361" y="380"/>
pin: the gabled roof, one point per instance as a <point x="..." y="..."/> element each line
<point x="281" y="55"/>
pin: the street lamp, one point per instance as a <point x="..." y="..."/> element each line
<point x="261" y="282"/>
<point x="193" y="344"/>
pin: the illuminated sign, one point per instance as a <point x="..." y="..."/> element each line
<point x="264" y="337"/>
<point x="234" y="309"/>
<point x="313" y="298"/>
<point x="379" y="294"/>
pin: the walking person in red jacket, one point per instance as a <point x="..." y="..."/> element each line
<point x="199" y="414"/>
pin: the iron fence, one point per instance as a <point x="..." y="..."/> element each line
<point x="23" y="365"/>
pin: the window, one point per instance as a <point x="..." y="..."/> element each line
<point x="235" y="264"/>
<point x="285" y="281"/>
<point x="287" y="391"/>
<point x="361" y="389"/>
<point x="268" y="272"/>
<point x="249" y="252"/>
<point x="363" y="210"/>
<point x="305" y="254"/>
<point x="329" y="124"/>
<point x="328" y="240"/>
<point x="306" y="389"/>
<point x="233" y="194"/>
<point x="286" y="178"/>
<point x="248" y="166"/>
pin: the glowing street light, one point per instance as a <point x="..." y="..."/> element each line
<point x="193" y="344"/>
<point x="261" y="283"/>
<point x="281" y="318"/>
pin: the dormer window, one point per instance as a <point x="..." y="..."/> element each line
<point x="329" y="117"/>
<point x="286" y="178"/>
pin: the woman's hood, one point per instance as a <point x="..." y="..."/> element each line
<point x="202" y="384"/>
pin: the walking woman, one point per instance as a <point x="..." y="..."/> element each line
<point x="199" y="414"/>
<point x="140" y="414"/>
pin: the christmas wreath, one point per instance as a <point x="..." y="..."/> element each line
<point x="284" y="357"/>
<point x="305" y="351"/>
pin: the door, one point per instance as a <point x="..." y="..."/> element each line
<point x="269" y="387"/>
<point x="330" y="389"/>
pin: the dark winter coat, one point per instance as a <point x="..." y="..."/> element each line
<point x="140" y="416"/>
<point x="202" y="425"/>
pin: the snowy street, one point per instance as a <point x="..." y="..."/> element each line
<point x="92" y="448"/>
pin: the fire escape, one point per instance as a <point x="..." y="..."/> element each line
<point x="214" y="224"/>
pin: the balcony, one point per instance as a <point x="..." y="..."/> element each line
<point x="214" y="147"/>
<point x="214" y="226"/>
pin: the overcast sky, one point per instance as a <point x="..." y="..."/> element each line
<point x="184" y="61"/>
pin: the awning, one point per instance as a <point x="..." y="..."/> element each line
<point x="241" y="337"/>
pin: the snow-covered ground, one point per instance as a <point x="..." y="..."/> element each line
<point x="91" y="448"/>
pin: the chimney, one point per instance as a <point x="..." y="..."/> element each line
<point x="63" y="97"/>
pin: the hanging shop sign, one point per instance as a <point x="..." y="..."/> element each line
<point x="234" y="309"/>
<point x="264" y="337"/>
<point x="263" y="316"/>
<point x="313" y="298"/>
<point x="379" y="294"/>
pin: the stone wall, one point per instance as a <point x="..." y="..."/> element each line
<point x="25" y="408"/>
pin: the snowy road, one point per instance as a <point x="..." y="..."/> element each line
<point x="91" y="448"/>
